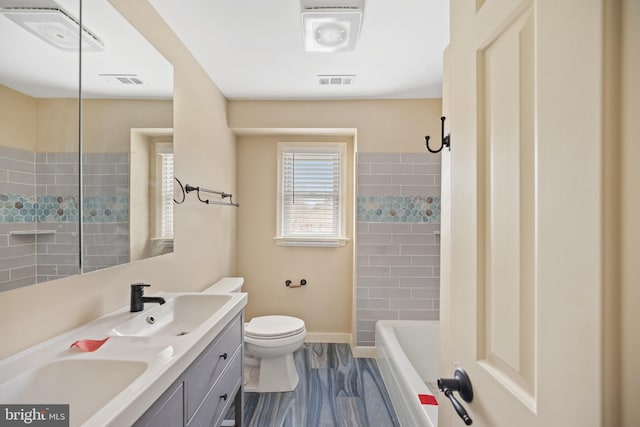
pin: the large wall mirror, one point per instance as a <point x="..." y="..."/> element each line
<point x="123" y="129"/>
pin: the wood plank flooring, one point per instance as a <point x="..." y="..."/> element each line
<point x="335" y="389"/>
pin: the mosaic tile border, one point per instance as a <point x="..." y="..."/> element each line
<point x="405" y="209"/>
<point x="16" y="208"/>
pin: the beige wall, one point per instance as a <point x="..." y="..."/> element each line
<point x="17" y="119"/>
<point x="139" y="197"/>
<point x="51" y="124"/>
<point x="57" y="125"/>
<point x="107" y="122"/>
<point x="327" y="303"/>
<point x="205" y="235"/>
<point x="382" y="125"/>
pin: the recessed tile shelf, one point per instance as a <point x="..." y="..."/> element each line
<point x="31" y="232"/>
<point x="436" y="232"/>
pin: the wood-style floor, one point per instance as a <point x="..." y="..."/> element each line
<point x="335" y="389"/>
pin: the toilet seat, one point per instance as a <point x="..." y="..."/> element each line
<point x="273" y="327"/>
<point x="277" y="343"/>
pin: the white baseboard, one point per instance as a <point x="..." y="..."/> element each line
<point x="364" y="352"/>
<point x="341" y="338"/>
<point x="327" y="337"/>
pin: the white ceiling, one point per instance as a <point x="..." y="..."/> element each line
<point x="253" y="49"/>
<point x="36" y="68"/>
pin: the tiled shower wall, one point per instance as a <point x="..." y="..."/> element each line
<point x="106" y="210"/>
<point x="398" y="249"/>
<point x="39" y="193"/>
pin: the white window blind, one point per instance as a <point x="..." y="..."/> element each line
<point x="165" y="192"/>
<point x="312" y="192"/>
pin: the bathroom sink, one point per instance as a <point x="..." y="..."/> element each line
<point x="178" y="316"/>
<point x="85" y="384"/>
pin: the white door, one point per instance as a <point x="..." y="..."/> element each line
<point x="522" y="257"/>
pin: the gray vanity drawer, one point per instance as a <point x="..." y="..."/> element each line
<point x="219" y="398"/>
<point x="167" y="411"/>
<point x="203" y="373"/>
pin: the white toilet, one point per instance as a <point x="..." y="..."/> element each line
<point x="269" y="345"/>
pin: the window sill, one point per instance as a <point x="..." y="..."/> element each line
<point x="163" y="242"/>
<point x="318" y="242"/>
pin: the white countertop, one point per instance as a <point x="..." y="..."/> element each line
<point x="162" y="360"/>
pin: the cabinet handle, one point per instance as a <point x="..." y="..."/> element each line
<point x="224" y="396"/>
<point x="224" y="356"/>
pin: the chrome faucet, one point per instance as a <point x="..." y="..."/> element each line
<point x="138" y="299"/>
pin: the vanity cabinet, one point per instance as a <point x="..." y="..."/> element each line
<point x="203" y="394"/>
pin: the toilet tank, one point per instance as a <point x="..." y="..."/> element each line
<point x="225" y="286"/>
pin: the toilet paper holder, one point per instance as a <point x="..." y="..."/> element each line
<point x="302" y="283"/>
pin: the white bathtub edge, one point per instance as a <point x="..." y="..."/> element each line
<point x="401" y="379"/>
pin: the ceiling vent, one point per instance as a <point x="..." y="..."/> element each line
<point x="55" y="26"/>
<point x="122" y="79"/>
<point x="336" y="79"/>
<point x="332" y="26"/>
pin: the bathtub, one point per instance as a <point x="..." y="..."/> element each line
<point x="407" y="353"/>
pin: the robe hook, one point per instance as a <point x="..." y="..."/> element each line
<point x="446" y="140"/>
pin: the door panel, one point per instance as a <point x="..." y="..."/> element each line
<point x="506" y="207"/>
<point x="521" y="266"/>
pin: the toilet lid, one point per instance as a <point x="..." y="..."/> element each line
<point x="273" y="327"/>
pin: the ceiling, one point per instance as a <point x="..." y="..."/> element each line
<point x="254" y="49"/>
<point x="34" y="67"/>
<point x="251" y="49"/>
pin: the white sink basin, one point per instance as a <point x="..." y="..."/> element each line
<point x="178" y="316"/>
<point x="85" y="384"/>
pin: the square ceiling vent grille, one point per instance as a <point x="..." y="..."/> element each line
<point x="122" y="79"/>
<point x="336" y="79"/>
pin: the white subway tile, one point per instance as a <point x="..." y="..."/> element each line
<point x="372" y="303"/>
<point x="377" y="282"/>
<point x="415" y="180"/>
<point x="378" y="250"/>
<point x="366" y="325"/>
<point x="419" y="250"/>
<point x="411" y="304"/>
<point x="366" y="314"/>
<point x="363" y="168"/>
<point x="425" y="228"/>
<point x="362" y="293"/>
<point x="410" y="190"/>
<point x="427" y="169"/>
<point x="379" y="190"/>
<point x="420" y="282"/>
<point x="419" y="315"/>
<point x="425" y="293"/>
<point x="389" y="293"/>
<point x="375" y="179"/>
<point x="363" y="260"/>
<point x="413" y="239"/>
<point x="377" y="239"/>
<point x="390" y="260"/>
<point x="373" y="271"/>
<point x="390" y="228"/>
<point x="392" y="168"/>
<point x="379" y="157"/>
<point x="410" y="271"/>
<point x="425" y="157"/>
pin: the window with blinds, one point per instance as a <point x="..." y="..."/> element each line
<point x="311" y="194"/>
<point x="164" y="198"/>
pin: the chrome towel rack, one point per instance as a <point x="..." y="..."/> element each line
<point x="189" y="188"/>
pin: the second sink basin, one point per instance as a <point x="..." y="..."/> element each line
<point x="85" y="385"/>
<point x="178" y="316"/>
